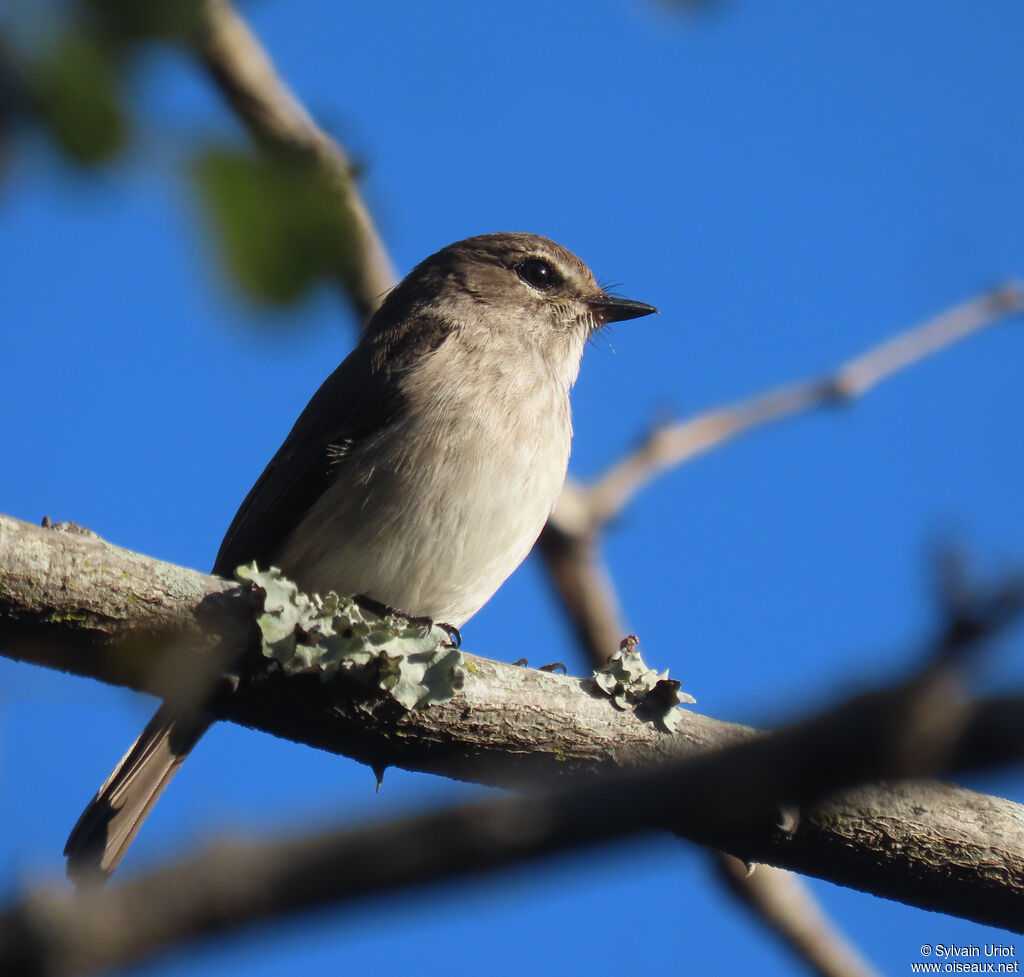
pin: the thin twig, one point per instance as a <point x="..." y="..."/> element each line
<point x="672" y="446"/>
<point x="246" y="77"/>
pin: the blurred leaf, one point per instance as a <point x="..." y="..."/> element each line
<point x="279" y="220"/>
<point x="138" y="20"/>
<point x="12" y="100"/>
<point x="76" y="90"/>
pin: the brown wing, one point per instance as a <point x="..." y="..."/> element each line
<point x="359" y="399"/>
<point x="353" y="403"/>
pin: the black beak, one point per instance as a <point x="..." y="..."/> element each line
<point x="610" y="308"/>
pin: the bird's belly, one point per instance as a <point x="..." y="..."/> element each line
<point x="433" y="530"/>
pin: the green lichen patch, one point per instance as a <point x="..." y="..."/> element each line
<point x="412" y="661"/>
<point x="630" y="684"/>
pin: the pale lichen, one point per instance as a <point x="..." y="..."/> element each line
<point x="413" y="661"/>
<point x="630" y="684"/>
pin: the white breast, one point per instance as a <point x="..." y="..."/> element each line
<point x="433" y="514"/>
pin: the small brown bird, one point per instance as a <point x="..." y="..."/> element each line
<point x="420" y="474"/>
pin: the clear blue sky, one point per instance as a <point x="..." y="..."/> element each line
<point x="787" y="182"/>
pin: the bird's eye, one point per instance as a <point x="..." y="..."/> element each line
<point x="538" y="273"/>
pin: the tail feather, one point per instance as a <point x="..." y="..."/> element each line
<point x="101" y="836"/>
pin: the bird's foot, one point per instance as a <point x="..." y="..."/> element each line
<point x="383" y="610"/>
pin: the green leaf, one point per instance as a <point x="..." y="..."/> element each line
<point x="76" y="90"/>
<point x="139" y="20"/>
<point x="279" y="221"/>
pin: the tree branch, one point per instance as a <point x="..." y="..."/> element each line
<point x="246" y="77"/>
<point x="728" y="797"/>
<point x="72" y="601"/>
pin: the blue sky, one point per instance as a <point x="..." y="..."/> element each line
<point x="789" y="183"/>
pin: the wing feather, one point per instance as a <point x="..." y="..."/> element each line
<point x="353" y="403"/>
<point x="362" y="397"/>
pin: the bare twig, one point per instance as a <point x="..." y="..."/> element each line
<point x="245" y="75"/>
<point x="672" y="446"/>
<point x="570" y="544"/>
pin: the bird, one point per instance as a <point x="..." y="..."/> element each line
<point x="419" y="475"/>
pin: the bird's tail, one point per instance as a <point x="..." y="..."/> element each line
<point x="107" y="826"/>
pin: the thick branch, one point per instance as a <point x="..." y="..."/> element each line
<point x="729" y="796"/>
<point x="246" y="77"/>
<point x="72" y="601"/>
